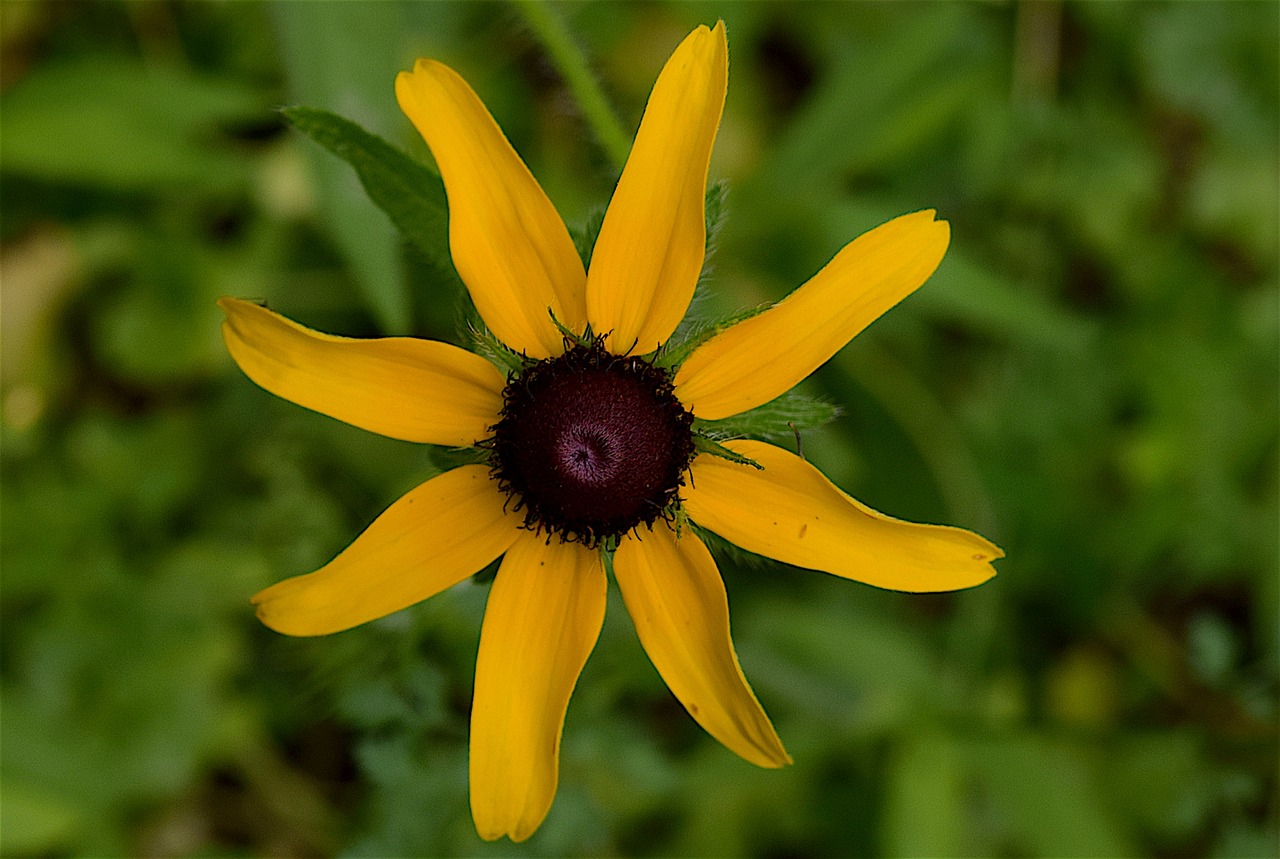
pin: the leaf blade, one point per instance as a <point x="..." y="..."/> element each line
<point x="410" y="193"/>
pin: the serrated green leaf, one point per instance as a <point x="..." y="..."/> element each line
<point x="342" y="60"/>
<point x="778" y="419"/>
<point x="410" y="193"/>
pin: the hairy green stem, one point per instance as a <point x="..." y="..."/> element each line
<point x="572" y="66"/>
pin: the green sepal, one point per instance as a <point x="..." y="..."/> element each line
<point x="691" y="335"/>
<point x="586" y="338"/>
<point x="411" y="193"/>
<point x="680" y="521"/>
<point x="584" y="237"/>
<point x="448" y="458"/>
<point x="715" y="207"/>
<point x="779" y="419"/>
<point x="487" y="345"/>
<point x="702" y="444"/>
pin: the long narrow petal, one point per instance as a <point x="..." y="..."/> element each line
<point x="509" y="245"/>
<point x="542" y="620"/>
<point x="791" y="513"/>
<point x="432" y="538"/>
<point x="677" y="602"/>
<point x="764" y="356"/>
<point x="417" y="390"/>
<point x="651" y="245"/>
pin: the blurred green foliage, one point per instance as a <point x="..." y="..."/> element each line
<point x="1090" y="379"/>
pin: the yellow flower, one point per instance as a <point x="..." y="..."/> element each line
<point x="590" y="447"/>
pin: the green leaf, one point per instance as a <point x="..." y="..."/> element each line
<point x="409" y="192"/>
<point x="779" y="419"/>
<point x="111" y="123"/>
<point x="342" y="59"/>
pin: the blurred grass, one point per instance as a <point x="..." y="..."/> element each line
<point x="1090" y="379"/>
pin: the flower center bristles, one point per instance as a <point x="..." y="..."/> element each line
<point x="591" y="444"/>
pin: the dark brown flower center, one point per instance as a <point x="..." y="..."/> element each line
<point x="591" y="444"/>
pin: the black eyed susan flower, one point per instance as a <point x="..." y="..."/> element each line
<point x="590" y="444"/>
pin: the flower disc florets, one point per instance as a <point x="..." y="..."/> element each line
<point x="591" y="444"/>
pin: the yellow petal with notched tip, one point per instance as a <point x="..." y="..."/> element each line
<point x="416" y="390"/>
<point x="791" y="513"/>
<point x="544" y="614"/>
<point x="651" y="245"/>
<point x="509" y="245"/>
<point x="677" y="602"/>
<point x="432" y="538"/>
<point x="766" y="355"/>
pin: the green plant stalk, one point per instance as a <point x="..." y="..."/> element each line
<point x="572" y="66"/>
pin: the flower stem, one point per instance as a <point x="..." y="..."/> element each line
<point x="582" y="82"/>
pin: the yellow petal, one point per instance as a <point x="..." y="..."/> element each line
<point x="431" y="539"/>
<point x="509" y="245"/>
<point x="791" y="513"/>
<point x="542" y="619"/>
<point x="417" y="390"/>
<point x="677" y="602"/>
<point x="651" y="245"/>
<point x="764" y="356"/>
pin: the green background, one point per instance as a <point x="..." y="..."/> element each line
<point x="1090" y="379"/>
